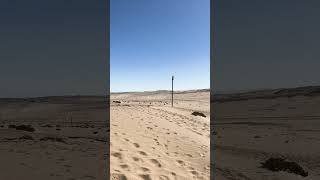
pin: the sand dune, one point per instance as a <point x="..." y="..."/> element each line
<point x="152" y="140"/>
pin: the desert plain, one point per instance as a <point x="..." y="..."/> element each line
<point x="266" y="135"/>
<point x="150" y="140"/>
<point x="269" y="134"/>
<point x="54" y="138"/>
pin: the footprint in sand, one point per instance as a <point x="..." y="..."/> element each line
<point x="118" y="177"/>
<point x="155" y="162"/>
<point x="142" y="153"/>
<point x="124" y="166"/>
<point x="174" y="174"/>
<point x="143" y="169"/>
<point x="136" y="159"/>
<point x="136" y="145"/>
<point x="163" y="177"/>
<point x="189" y="155"/>
<point x="194" y="172"/>
<point x="117" y="155"/>
<point x="145" y="176"/>
<point x="181" y="162"/>
<point x="191" y="168"/>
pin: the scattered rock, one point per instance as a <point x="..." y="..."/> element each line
<point x="47" y="125"/>
<point x="195" y="113"/>
<point x="26" y="137"/>
<point x="280" y="164"/>
<point x="54" y="139"/>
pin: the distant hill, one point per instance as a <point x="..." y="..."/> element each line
<point x="267" y="94"/>
<point x="162" y="92"/>
<point x="57" y="99"/>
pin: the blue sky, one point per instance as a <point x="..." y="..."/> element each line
<point x="151" y="40"/>
<point x="265" y="44"/>
<point x="53" y="48"/>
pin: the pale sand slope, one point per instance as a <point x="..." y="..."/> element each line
<point x="151" y="140"/>
<point x="57" y="149"/>
<point x="250" y="131"/>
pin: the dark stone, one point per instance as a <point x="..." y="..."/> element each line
<point x="26" y="137"/>
<point x="54" y="139"/>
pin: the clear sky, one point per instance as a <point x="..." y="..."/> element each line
<point x="51" y="48"/>
<point x="265" y="44"/>
<point x="151" y="40"/>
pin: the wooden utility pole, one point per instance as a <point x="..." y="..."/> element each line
<point x="172" y="92"/>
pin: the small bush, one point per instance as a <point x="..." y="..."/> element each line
<point x="28" y="128"/>
<point x="198" y="114"/>
<point x="280" y="164"/>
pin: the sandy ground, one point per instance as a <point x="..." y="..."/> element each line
<point x="57" y="149"/>
<point x="249" y="131"/>
<point x="152" y="140"/>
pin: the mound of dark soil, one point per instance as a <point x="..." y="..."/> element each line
<point x="280" y="164"/>
<point x="12" y="126"/>
<point x="23" y="127"/>
<point x="198" y="114"/>
<point x="47" y="125"/>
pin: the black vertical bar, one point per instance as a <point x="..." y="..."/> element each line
<point x="172" y="93"/>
